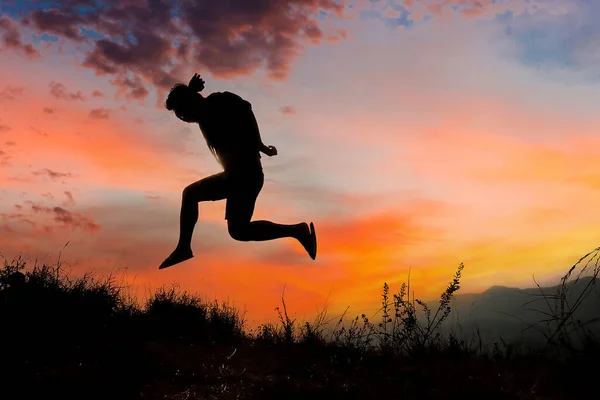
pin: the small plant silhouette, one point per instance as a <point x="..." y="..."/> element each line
<point x="408" y="333"/>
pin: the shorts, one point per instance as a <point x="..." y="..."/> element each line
<point x="240" y="188"/>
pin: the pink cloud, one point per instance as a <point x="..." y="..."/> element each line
<point x="288" y="110"/>
<point x="100" y="113"/>
<point x="468" y="8"/>
<point x="59" y="91"/>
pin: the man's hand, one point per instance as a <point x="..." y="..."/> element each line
<point x="196" y="83"/>
<point x="269" y="150"/>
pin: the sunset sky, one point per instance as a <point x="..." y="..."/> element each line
<point x="415" y="134"/>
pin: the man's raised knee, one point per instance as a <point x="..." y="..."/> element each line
<point x="238" y="231"/>
<point x="187" y="192"/>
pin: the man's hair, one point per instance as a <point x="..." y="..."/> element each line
<point x="179" y="94"/>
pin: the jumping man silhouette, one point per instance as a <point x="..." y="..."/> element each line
<point x="231" y="132"/>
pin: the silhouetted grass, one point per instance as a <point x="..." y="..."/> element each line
<point x="86" y="338"/>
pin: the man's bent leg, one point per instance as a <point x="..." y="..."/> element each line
<point x="258" y="231"/>
<point x="212" y="188"/>
<point x="239" y="211"/>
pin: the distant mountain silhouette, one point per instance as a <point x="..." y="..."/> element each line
<point x="505" y="312"/>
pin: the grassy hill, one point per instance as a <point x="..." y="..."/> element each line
<point x="84" y="338"/>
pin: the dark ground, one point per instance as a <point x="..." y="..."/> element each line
<point x="68" y="339"/>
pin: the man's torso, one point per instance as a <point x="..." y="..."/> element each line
<point x="226" y="116"/>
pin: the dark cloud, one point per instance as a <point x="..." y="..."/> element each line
<point x="48" y="110"/>
<point x="4" y="128"/>
<point x="10" y="143"/>
<point x="97" y="93"/>
<point x="287" y="110"/>
<point x="11" y="38"/>
<point x="67" y="218"/>
<point x="268" y="33"/>
<point x="53" y="174"/>
<point x="58" y="23"/>
<point x="100" y="113"/>
<point x="59" y="91"/>
<point x="225" y="38"/>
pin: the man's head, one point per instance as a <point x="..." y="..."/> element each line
<point x="185" y="102"/>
